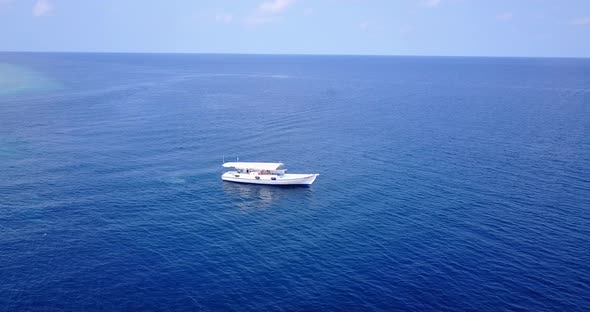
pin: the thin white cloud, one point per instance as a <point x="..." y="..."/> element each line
<point x="268" y="12"/>
<point x="364" y="25"/>
<point x="274" y="6"/>
<point x="224" y="18"/>
<point x="504" y="16"/>
<point x="582" y="21"/>
<point x="42" y="8"/>
<point x="432" y="3"/>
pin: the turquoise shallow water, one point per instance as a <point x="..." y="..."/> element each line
<point x="20" y="79"/>
<point x="446" y="183"/>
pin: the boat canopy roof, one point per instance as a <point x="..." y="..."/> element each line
<point x="253" y="165"/>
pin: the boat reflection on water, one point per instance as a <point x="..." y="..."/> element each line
<point x="253" y="196"/>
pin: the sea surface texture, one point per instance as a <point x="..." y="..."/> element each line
<point x="446" y="183"/>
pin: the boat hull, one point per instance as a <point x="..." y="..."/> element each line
<point x="285" y="179"/>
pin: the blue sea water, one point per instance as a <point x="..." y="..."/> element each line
<point x="446" y="183"/>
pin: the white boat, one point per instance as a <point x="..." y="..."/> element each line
<point x="265" y="173"/>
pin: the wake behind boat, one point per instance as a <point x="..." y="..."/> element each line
<point x="265" y="173"/>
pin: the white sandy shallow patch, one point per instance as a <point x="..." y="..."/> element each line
<point x="16" y="79"/>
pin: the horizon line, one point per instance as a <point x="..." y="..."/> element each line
<point x="299" y="54"/>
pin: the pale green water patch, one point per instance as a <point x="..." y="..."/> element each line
<point x="15" y="79"/>
<point x="13" y="148"/>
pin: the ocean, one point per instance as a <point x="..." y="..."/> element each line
<point x="446" y="183"/>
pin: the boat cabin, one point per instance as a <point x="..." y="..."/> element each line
<point x="255" y="168"/>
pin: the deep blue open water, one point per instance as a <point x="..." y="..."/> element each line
<point x="446" y="183"/>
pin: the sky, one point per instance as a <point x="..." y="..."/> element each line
<point x="537" y="28"/>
